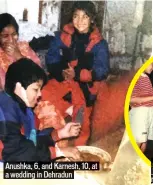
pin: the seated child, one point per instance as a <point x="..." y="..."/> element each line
<point x="23" y="84"/>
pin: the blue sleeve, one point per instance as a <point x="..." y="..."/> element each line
<point x="2" y="125"/>
<point x="18" y="148"/>
<point x="9" y="117"/>
<point x="2" y="118"/>
<point x="10" y="112"/>
<point x="101" y="61"/>
<point x="53" y="55"/>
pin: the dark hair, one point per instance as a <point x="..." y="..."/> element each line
<point x="86" y="6"/>
<point x="24" y="71"/>
<point x="6" y="20"/>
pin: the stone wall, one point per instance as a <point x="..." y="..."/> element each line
<point x="126" y="25"/>
<point x="128" y="30"/>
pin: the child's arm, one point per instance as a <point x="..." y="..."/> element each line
<point x="140" y="100"/>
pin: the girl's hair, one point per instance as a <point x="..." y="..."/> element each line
<point x="6" y="20"/>
<point x="24" y="71"/>
<point x="88" y="7"/>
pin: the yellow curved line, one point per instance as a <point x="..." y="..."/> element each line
<point x="126" y="110"/>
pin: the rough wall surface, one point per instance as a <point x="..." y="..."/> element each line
<point x="127" y="26"/>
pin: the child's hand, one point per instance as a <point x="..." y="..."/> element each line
<point x="69" y="73"/>
<point x="21" y="92"/>
<point x="70" y="130"/>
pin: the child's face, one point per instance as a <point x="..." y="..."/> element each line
<point x="33" y="92"/>
<point x="149" y="69"/>
<point x="81" y="21"/>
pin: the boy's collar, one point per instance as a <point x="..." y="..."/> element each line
<point x="17" y="99"/>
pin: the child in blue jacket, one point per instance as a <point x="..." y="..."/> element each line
<point x="79" y="52"/>
<point x="24" y="81"/>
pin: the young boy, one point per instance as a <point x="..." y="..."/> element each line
<point x="23" y="84"/>
<point x="141" y="113"/>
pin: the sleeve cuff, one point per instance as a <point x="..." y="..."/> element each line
<point x="55" y="152"/>
<point x="55" y="136"/>
<point x="85" y="75"/>
<point x="59" y="153"/>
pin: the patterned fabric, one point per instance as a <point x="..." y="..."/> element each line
<point x="143" y="88"/>
<point x="6" y="60"/>
<point x="49" y="116"/>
